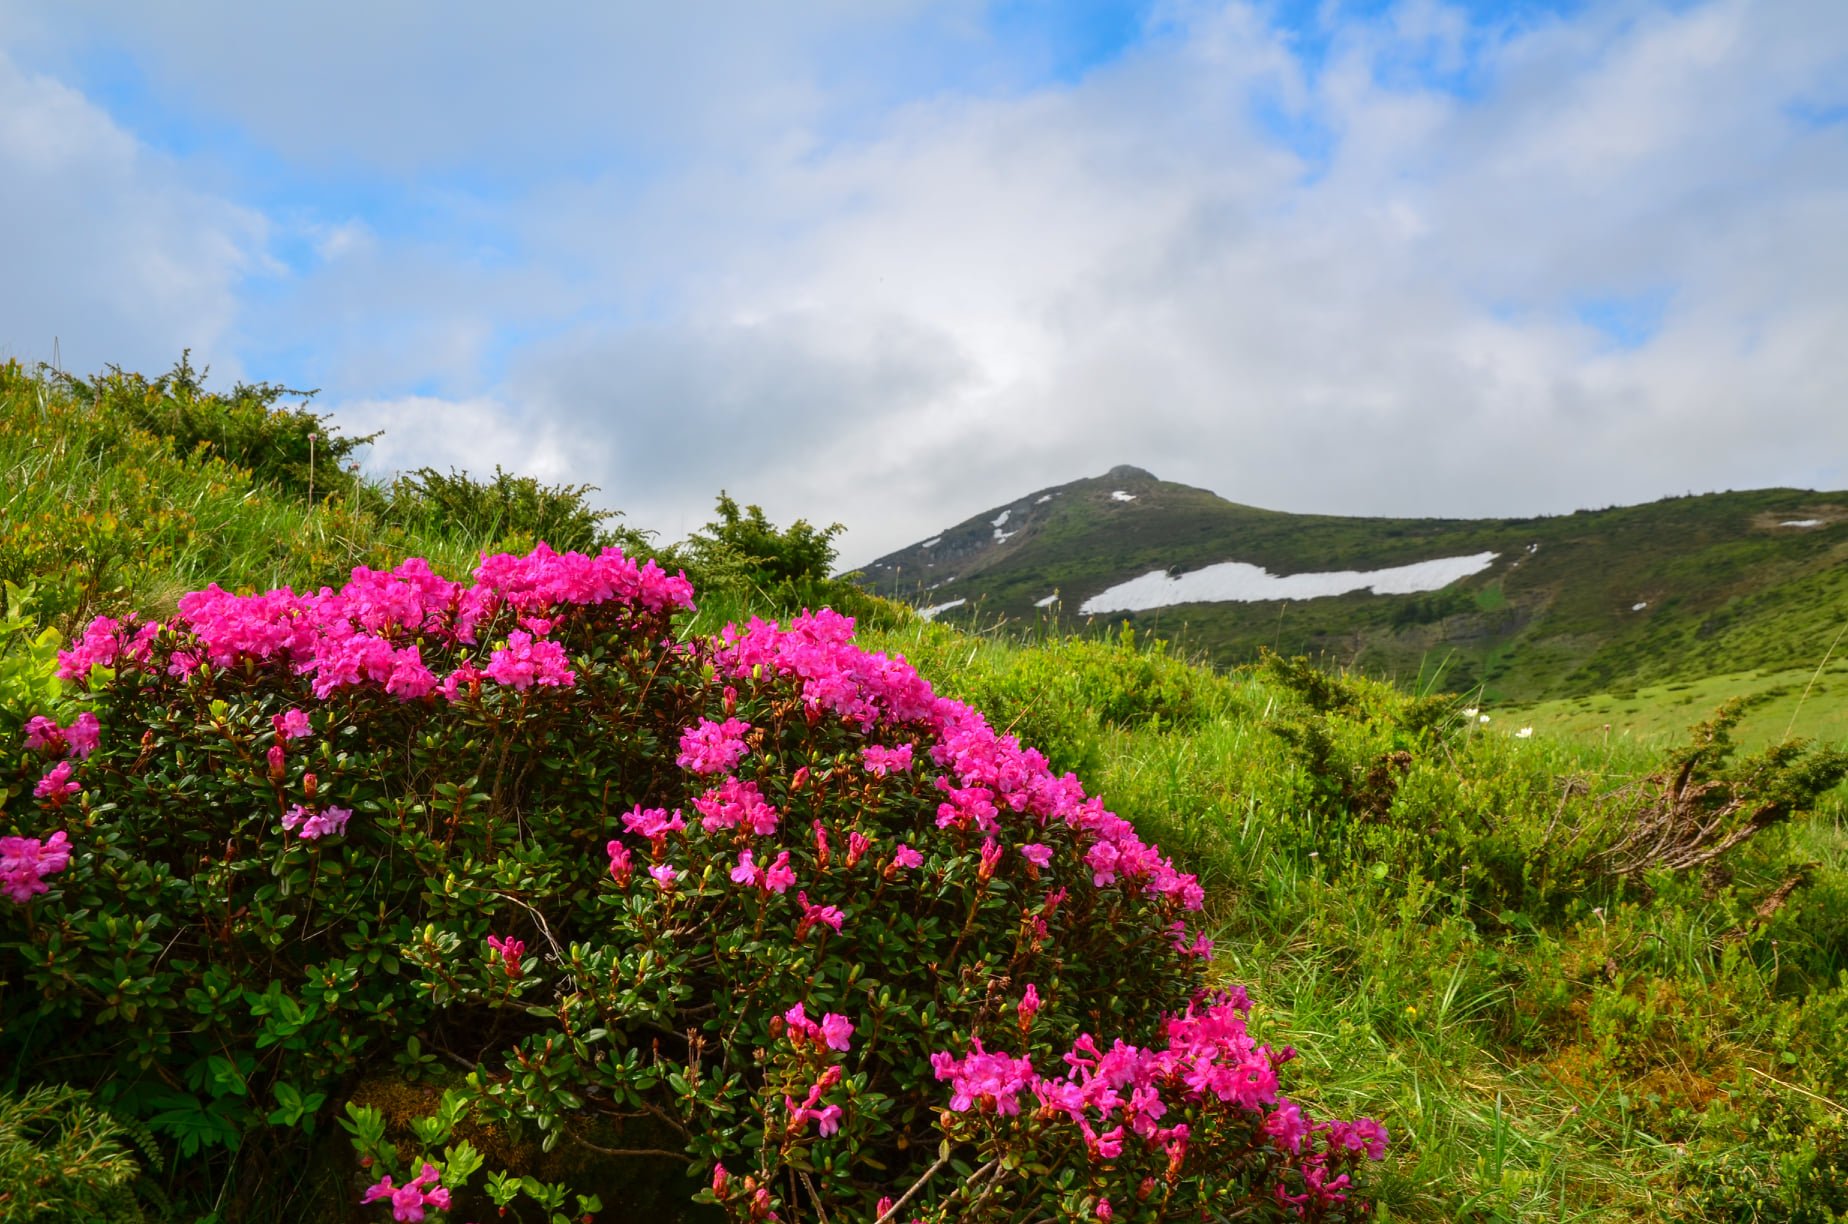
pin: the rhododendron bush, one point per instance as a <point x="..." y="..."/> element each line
<point x="846" y="946"/>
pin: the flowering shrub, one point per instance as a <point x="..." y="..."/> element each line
<point x="853" y="948"/>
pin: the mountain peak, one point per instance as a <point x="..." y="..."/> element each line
<point x="1125" y="471"/>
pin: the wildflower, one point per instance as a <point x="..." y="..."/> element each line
<point x="310" y="825"/>
<point x="1038" y="855"/>
<point x="619" y="861"/>
<point x="1029" y="1003"/>
<point x="1470" y="713"/>
<point x="907" y="858"/>
<point x="779" y="878"/>
<point x="527" y="661"/>
<point x="83" y="735"/>
<point x="821" y="844"/>
<point x="664" y="876"/>
<point x="882" y="761"/>
<point x="857" y="845"/>
<point x="56" y="785"/>
<point x="654" y="823"/>
<point x="984" y="1078"/>
<point x="732" y="803"/>
<point x="1103" y="1204"/>
<point x="278" y="760"/>
<point x="991" y="858"/>
<point x="825" y="915"/>
<point x="510" y="952"/>
<point x="44" y="733"/>
<point x="26" y="861"/>
<point x="1524" y="733"/>
<point x="837" y="1031"/>
<point x="409" y="1200"/>
<point x="713" y="747"/>
<point x="746" y="872"/>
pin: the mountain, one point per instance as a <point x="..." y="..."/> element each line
<point x="1529" y="608"/>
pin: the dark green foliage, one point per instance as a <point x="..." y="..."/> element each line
<point x="63" y="1160"/>
<point x="291" y="449"/>
<point x="742" y="546"/>
<point x="506" y="512"/>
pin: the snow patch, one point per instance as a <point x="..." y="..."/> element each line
<point x="931" y="612"/>
<point x="1239" y="582"/>
<point x="1046" y="602"/>
<point x="1802" y="523"/>
<point x="1042" y="500"/>
<point x="1638" y="607"/>
<point x="932" y="543"/>
<point x="1119" y="495"/>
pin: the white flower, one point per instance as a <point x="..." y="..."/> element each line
<point x="1485" y="718"/>
<point x="1470" y="713"/>
<point x="1523" y="733"/>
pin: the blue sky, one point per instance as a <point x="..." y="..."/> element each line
<point x="892" y="262"/>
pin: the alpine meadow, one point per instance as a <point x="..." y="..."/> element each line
<point x="447" y="849"/>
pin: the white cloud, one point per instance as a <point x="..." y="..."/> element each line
<point x="109" y="251"/>
<point x="698" y="253"/>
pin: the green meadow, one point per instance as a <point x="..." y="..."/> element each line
<point x="1463" y="930"/>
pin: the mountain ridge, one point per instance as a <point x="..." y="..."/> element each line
<point x="1568" y="603"/>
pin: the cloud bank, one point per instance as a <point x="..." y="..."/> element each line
<point x="883" y="265"/>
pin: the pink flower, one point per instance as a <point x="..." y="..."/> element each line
<point x="779" y="878"/>
<point x="42" y="733"/>
<point x="510" y="952"/>
<point x="991" y="858"/>
<point x="653" y="823"/>
<point x="1103" y="1207"/>
<point x="526" y="662"/>
<point x="619" y="861"/>
<point x="906" y="857"/>
<point x="291" y="724"/>
<point x="881" y="761"/>
<point x="25" y="861"/>
<point x="821" y="843"/>
<point x="981" y="1077"/>
<point x="1035" y="853"/>
<point x="825" y="915"/>
<point x="733" y="802"/>
<point x="664" y="876"/>
<point x="1029" y="1003"/>
<point x="314" y="825"/>
<point x="837" y="1031"/>
<point x="713" y="747"/>
<point x="857" y="845"/>
<point x="278" y="760"/>
<point x="409" y="1200"/>
<point x="56" y="785"/>
<point x="83" y="735"/>
<point x="746" y="872"/>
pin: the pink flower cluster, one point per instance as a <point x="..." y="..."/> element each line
<point x="882" y="761"/>
<point x="733" y="802"/>
<point x="409" y="1200"/>
<point x="1209" y="1057"/>
<point x="990" y="783"/>
<point x="776" y="878"/>
<point x="26" y="861"/>
<point x="374" y="629"/>
<point x="56" y="785"/>
<point x="834" y="1030"/>
<point x="106" y="642"/>
<point x="713" y="747"/>
<point x="310" y="824"/>
<point x="827" y="1117"/>
<point x="510" y="951"/>
<point x="78" y="740"/>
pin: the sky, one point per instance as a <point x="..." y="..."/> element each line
<point x="893" y="263"/>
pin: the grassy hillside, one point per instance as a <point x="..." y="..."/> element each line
<point x="1573" y="604"/>
<point x="1423" y="903"/>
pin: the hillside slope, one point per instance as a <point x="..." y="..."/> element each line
<point x="1547" y="606"/>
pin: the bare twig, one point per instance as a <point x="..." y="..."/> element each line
<point x="820" y="1211"/>
<point x="601" y="1150"/>
<point x="916" y="1186"/>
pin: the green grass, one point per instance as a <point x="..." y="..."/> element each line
<point x="1544" y="1044"/>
